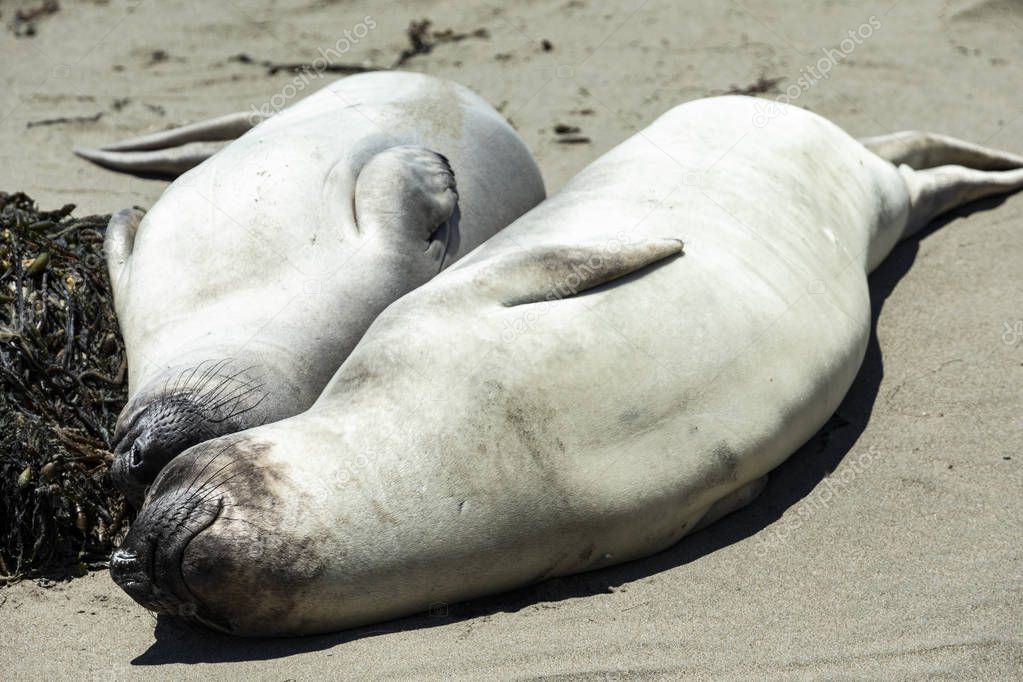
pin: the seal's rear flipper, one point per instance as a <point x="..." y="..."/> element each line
<point x="172" y="152"/>
<point x="164" y="162"/>
<point x="552" y="272"/>
<point x="934" y="191"/>
<point x="927" y="150"/>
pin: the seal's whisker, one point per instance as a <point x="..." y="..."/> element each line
<point x="195" y="479"/>
<point x="195" y="384"/>
<point x="227" y="376"/>
<point x="213" y="457"/>
<point x="237" y="392"/>
<point x="182" y="382"/>
<point x="232" y="380"/>
<point x="207" y="376"/>
<point x="182" y="524"/>
<point x="211" y="485"/>
<point x="174" y="381"/>
<point x="209" y="390"/>
<point x="229" y="388"/>
<point x="212" y="490"/>
<point x="237" y="399"/>
<point x="237" y="412"/>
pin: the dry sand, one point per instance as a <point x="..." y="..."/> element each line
<point x="904" y="562"/>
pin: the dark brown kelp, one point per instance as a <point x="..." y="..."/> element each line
<point x="62" y="383"/>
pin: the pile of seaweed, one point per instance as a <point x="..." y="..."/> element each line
<point x="62" y="382"/>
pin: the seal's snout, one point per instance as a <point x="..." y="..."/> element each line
<point x="183" y="409"/>
<point x="152" y="437"/>
<point x="134" y="576"/>
<point x="132" y="568"/>
<point x="148" y="565"/>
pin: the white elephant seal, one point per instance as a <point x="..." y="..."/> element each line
<point x="247" y="284"/>
<point x="575" y="393"/>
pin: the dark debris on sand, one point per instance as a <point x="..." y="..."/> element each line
<point x="422" y="38"/>
<point x="62" y="383"/>
<point x="762" y="86"/>
<point x="23" y="25"/>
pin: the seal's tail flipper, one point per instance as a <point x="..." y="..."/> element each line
<point x="172" y="152"/>
<point x="928" y="150"/>
<point x="934" y="191"/>
<point x="164" y="162"/>
<point x="944" y="173"/>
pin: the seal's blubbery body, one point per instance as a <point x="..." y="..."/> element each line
<point x="575" y="393"/>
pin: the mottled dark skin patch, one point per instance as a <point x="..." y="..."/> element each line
<point x="725" y="464"/>
<point x="586" y="553"/>
<point x="217" y="568"/>
<point x="550" y="570"/>
<point x="529" y="429"/>
<point x="637" y="420"/>
<point x="382" y="513"/>
<point x="629" y="416"/>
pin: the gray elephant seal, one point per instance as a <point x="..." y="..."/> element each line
<point x="575" y="393"/>
<point x="248" y="283"/>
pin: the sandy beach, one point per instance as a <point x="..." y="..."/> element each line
<point x="889" y="547"/>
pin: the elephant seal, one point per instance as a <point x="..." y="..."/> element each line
<point x="241" y="291"/>
<point x="573" y="394"/>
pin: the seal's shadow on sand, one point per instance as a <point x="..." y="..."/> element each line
<point x="787" y="485"/>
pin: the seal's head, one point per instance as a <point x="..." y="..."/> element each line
<point x="212" y="543"/>
<point x="187" y="407"/>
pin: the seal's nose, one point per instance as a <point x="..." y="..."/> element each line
<point x="152" y="442"/>
<point x="131" y="573"/>
<point x="124" y="473"/>
<point x="123" y="563"/>
<point x="161" y="431"/>
<point x="148" y="565"/>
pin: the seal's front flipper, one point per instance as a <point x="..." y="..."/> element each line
<point x="552" y="272"/>
<point x="407" y="193"/>
<point x="120" y="240"/>
<point x="172" y="152"/>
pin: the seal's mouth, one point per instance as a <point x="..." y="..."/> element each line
<point x="148" y="565"/>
